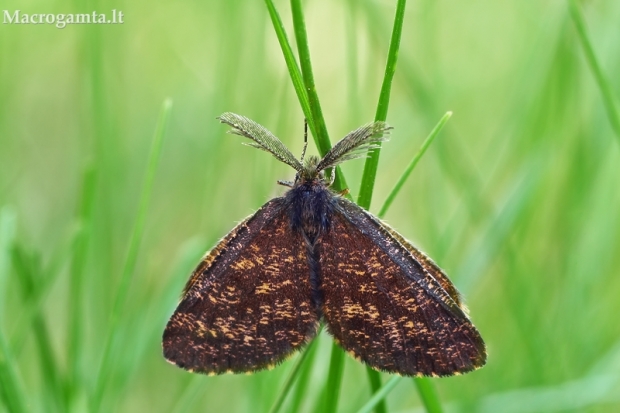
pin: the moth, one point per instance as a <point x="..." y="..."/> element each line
<point x="310" y="256"/>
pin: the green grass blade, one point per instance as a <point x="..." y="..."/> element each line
<point x="7" y="235"/>
<point x="290" y="380"/>
<point x="321" y="137"/>
<point x="332" y="388"/>
<point x="380" y="395"/>
<point x="428" y="394"/>
<point x="370" y="168"/>
<point x="308" y="103"/>
<point x="401" y="181"/>
<point x="304" y="375"/>
<point x="12" y="392"/>
<point x="28" y="268"/>
<point x="303" y="49"/>
<point x="76" y="286"/>
<point x="132" y="255"/>
<point x="608" y="95"/>
<point x="291" y="64"/>
<point x="26" y="318"/>
<point x="374" y="378"/>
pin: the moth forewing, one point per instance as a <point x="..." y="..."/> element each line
<point x="235" y="315"/>
<point x="428" y="264"/>
<point x="383" y="306"/>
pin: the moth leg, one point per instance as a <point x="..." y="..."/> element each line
<point x="332" y="177"/>
<point x="285" y="183"/>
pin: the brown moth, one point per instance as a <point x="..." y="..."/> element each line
<point x="313" y="255"/>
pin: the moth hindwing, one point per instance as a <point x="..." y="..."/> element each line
<point x="311" y="255"/>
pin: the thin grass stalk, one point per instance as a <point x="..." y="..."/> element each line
<point x="12" y="392"/>
<point x="290" y="380"/>
<point x="304" y="376"/>
<point x="609" y="100"/>
<point x="322" y="137"/>
<point x="323" y="145"/>
<point x="380" y="395"/>
<point x="292" y="66"/>
<point x="334" y="378"/>
<point x="28" y="266"/>
<point x="303" y="50"/>
<point x="428" y="394"/>
<point x="76" y="285"/>
<point x="105" y="367"/>
<point x="7" y="236"/>
<point x="401" y="181"/>
<point x="374" y="378"/>
<point x="370" y="168"/>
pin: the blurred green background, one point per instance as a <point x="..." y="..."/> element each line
<point x="518" y="198"/>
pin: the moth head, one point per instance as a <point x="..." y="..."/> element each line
<point x="309" y="172"/>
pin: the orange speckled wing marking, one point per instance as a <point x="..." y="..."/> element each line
<point x="384" y="304"/>
<point x="247" y="305"/>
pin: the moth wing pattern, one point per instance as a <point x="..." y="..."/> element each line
<point x="385" y="308"/>
<point x="247" y="305"/>
<point x="428" y="265"/>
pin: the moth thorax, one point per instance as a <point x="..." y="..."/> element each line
<point x="311" y="208"/>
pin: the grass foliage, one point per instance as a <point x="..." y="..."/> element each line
<point x="110" y="194"/>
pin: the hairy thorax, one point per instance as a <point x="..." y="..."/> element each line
<point x="311" y="208"/>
